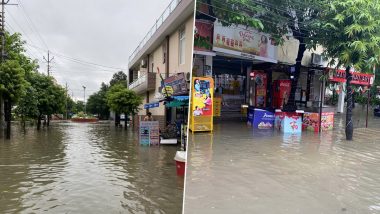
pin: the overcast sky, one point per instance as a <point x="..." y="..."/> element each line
<point x="102" y="32"/>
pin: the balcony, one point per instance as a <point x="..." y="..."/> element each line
<point x="144" y="83"/>
<point x="169" y="9"/>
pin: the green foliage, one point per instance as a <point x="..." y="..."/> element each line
<point x="50" y="95"/>
<point x="79" y="107"/>
<point x="27" y="107"/>
<point x="119" y="78"/>
<point x="349" y="30"/>
<point x="12" y="81"/>
<point x="276" y="17"/>
<point x="122" y="100"/>
<point x="97" y="103"/>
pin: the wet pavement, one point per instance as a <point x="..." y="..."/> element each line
<point x="86" y="168"/>
<point x="238" y="170"/>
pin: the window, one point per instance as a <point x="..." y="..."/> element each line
<point x="182" y="46"/>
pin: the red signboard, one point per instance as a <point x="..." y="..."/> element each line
<point x="203" y="35"/>
<point x="357" y="78"/>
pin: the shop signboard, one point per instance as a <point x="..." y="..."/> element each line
<point x="175" y="85"/>
<point x="244" y="42"/>
<point x="357" y="78"/>
<point x="263" y="119"/>
<point x="149" y="133"/>
<point x="261" y="88"/>
<point x="203" y="35"/>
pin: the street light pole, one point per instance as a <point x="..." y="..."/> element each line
<point x="84" y="98"/>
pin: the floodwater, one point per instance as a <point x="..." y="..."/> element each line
<point x="86" y="168"/>
<point x="238" y="170"/>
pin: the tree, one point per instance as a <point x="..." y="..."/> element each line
<point x="119" y="77"/>
<point x="122" y="100"/>
<point x="27" y="107"/>
<point x="275" y="17"/>
<point x="350" y="33"/>
<point x="97" y="103"/>
<point x="50" y="96"/>
<point x="12" y="83"/>
<point x="12" y="76"/>
<point x="79" y="107"/>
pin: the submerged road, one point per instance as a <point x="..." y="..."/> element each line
<point x="86" y="168"/>
<point x="238" y="170"/>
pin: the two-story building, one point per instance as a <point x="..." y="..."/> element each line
<point x="164" y="56"/>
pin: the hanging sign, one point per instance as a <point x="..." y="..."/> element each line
<point x="357" y="78"/>
<point x="203" y="35"/>
<point x="175" y="85"/>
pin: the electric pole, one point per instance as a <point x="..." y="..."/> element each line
<point x="48" y="61"/>
<point x="67" y="95"/>
<point x="5" y="102"/>
<point x="84" y="98"/>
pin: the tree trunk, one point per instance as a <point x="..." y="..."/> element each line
<point x="125" y="121"/>
<point x="39" y="122"/>
<point x="291" y="104"/>
<point x="349" y="125"/>
<point x="8" y="118"/>
<point x="48" y="120"/>
<point x="117" y="119"/>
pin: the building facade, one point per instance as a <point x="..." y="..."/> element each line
<point x="164" y="53"/>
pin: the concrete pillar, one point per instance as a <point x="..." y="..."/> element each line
<point x="342" y="95"/>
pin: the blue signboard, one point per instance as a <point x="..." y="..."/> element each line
<point x="263" y="119"/>
<point x="151" y="105"/>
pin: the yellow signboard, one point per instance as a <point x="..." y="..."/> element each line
<point x="217" y="106"/>
<point x="167" y="91"/>
<point x="202" y="104"/>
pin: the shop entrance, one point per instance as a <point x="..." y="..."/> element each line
<point x="230" y="77"/>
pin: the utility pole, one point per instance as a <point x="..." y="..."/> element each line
<point x="84" y="98"/>
<point x="48" y="61"/>
<point x="5" y="102"/>
<point x="67" y="95"/>
<point x="2" y="34"/>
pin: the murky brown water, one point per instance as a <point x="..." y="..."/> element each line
<point x="86" y="168"/>
<point x="237" y="170"/>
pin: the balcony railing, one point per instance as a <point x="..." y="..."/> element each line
<point x="144" y="83"/>
<point x="173" y="4"/>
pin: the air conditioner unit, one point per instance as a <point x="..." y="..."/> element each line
<point x="317" y="59"/>
<point x="188" y="76"/>
<point x="143" y="63"/>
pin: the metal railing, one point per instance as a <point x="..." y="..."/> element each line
<point x="142" y="79"/>
<point x="172" y="5"/>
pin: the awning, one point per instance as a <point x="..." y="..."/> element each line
<point x="151" y="105"/>
<point x="178" y="101"/>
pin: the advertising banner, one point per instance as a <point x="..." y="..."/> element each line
<point x="202" y="97"/>
<point x="203" y="35"/>
<point x="149" y="133"/>
<point x="261" y="88"/>
<point x="288" y="122"/>
<point x="263" y="119"/>
<point x="247" y="43"/>
<point x="311" y="121"/>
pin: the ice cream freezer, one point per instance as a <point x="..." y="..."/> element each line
<point x="311" y="120"/>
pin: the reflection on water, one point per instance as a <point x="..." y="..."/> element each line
<point x="86" y="168"/>
<point x="248" y="171"/>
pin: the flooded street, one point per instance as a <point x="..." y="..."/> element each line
<point x="86" y="168"/>
<point x="238" y="170"/>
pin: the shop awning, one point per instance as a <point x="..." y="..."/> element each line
<point x="178" y="101"/>
<point x="151" y="105"/>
